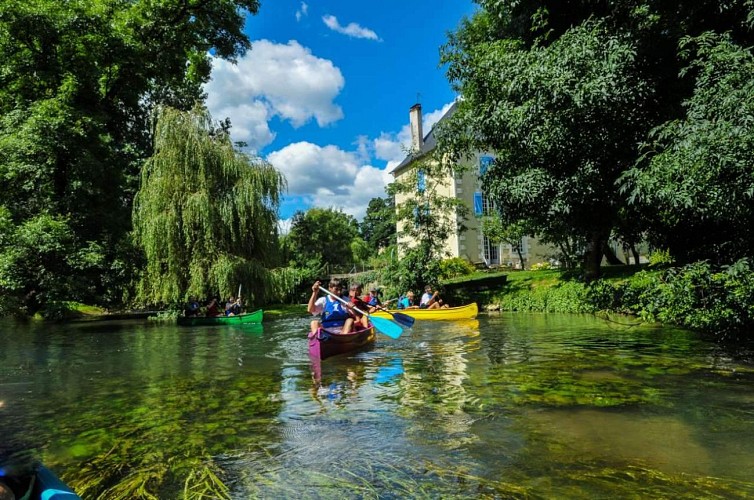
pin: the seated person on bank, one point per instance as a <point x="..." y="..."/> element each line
<point x="334" y="316"/>
<point x="430" y="299"/>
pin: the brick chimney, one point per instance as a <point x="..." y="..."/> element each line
<point x="417" y="137"/>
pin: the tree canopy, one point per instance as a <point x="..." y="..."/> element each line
<point x="206" y="214"/>
<point x="322" y="237"/>
<point x="78" y="82"/>
<point x="698" y="172"/>
<point x="378" y="226"/>
<point x="566" y="93"/>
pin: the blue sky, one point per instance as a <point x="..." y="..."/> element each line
<point x="325" y="91"/>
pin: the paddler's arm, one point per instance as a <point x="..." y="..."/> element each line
<point x="315" y="292"/>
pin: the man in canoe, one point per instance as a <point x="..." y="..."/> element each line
<point x="430" y="299"/>
<point x="334" y="315"/>
<point x="233" y="306"/>
<point x="213" y="308"/>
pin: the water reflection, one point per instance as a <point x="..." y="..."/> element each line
<point x="502" y="406"/>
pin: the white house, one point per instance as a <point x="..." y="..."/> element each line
<point x="470" y="244"/>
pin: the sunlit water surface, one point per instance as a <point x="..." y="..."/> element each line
<point x="506" y="406"/>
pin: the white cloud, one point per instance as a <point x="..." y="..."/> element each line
<point x="284" y="226"/>
<point x="302" y="12"/>
<point x="352" y="30"/>
<point x="272" y="79"/>
<point x="326" y="176"/>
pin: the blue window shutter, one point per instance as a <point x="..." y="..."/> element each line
<point x="421" y="181"/>
<point x="484" y="163"/>
<point x="478" y="206"/>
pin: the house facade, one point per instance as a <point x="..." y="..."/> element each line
<point x="463" y="183"/>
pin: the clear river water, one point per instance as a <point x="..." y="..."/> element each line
<point x="504" y="406"/>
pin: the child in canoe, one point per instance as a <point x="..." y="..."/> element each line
<point x="360" y="321"/>
<point x="335" y="316"/>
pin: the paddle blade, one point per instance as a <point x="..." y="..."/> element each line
<point x="386" y="327"/>
<point x="404" y="319"/>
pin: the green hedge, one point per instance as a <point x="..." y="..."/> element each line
<point x="697" y="296"/>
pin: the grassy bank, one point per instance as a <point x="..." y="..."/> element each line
<point x="717" y="300"/>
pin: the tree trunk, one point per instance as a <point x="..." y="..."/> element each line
<point x="593" y="256"/>
<point x="520" y="257"/>
<point x="635" y="254"/>
<point x="612" y="259"/>
<point x="565" y="256"/>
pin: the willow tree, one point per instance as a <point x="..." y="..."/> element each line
<point x="205" y="214"/>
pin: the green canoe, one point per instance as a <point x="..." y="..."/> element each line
<point x="240" y="319"/>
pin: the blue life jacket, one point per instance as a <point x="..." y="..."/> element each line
<point x="403" y="302"/>
<point x="373" y="301"/>
<point x="334" y="313"/>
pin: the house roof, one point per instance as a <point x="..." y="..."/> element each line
<point x="428" y="144"/>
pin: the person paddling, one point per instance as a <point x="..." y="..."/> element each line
<point x="373" y="300"/>
<point x="334" y="315"/>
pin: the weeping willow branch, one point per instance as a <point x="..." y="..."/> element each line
<point x="205" y="214"/>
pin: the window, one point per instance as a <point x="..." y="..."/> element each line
<point x="484" y="163"/>
<point x="488" y="206"/>
<point x="421" y="214"/>
<point x="483" y="205"/>
<point x="421" y="181"/>
<point x="491" y="252"/>
<point x="478" y="203"/>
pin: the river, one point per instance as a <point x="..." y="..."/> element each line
<point x="505" y="406"/>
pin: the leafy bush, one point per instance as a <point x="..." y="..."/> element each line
<point x="565" y="297"/>
<point x="452" y="268"/>
<point x="539" y="266"/>
<point x="660" y="258"/>
<point x="697" y="296"/>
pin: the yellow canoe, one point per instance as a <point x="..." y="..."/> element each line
<point x="463" y="312"/>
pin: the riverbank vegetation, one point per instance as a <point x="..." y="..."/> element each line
<point x="699" y="296"/>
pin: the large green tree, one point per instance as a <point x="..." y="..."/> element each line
<point x="206" y="213"/>
<point x="564" y="93"/>
<point x="696" y="181"/>
<point x="378" y="225"/>
<point x="321" y="240"/>
<point x="78" y="81"/>
<point x="567" y="122"/>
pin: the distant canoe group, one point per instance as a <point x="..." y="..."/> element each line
<point x="327" y="341"/>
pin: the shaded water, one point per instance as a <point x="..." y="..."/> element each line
<point x="508" y="406"/>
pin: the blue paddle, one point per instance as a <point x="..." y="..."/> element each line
<point x="384" y="326"/>
<point x="403" y="319"/>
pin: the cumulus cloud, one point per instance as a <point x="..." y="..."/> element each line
<point x="283" y="80"/>
<point x="352" y="29"/>
<point x="284" y="226"/>
<point x="327" y="176"/>
<point x="302" y="12"/>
